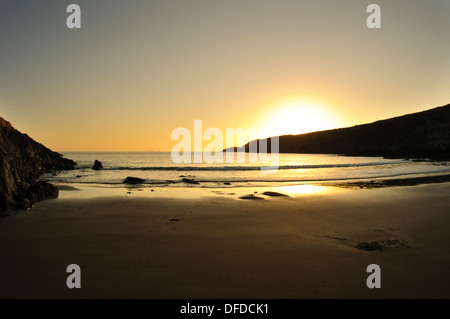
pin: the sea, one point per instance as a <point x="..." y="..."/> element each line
<point x="158" y="169"/>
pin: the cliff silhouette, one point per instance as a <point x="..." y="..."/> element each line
<point x="22" y="162"/>
<point x="424" y="134"/>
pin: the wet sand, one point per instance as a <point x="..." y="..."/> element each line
<point x="211" y="244"/>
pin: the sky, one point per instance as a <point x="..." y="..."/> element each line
<point x="137" y="70"/>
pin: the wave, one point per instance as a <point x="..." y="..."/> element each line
<point x="244" y="168"/>
<point x="208" y="183"/>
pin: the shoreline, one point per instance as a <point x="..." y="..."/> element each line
<point x="391" y="182"/>
<point x="293" y="189"/>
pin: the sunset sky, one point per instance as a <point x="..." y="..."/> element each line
<point x="137" y="70"/>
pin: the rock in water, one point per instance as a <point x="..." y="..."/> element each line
<point x="22" y="161"/>
<point x="97" y="165"/>
<point x="133" y="180"/>
<point x="190" y="181"/>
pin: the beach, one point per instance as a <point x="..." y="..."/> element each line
<point x="208" y="243"/>
<point x="224" y="150"/>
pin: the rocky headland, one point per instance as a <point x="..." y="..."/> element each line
<point x="22" y="162"/>
<point x="414" y="136"/>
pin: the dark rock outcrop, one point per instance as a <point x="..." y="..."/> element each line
<point x="133" y="180"/>
<point x="274" y="194"/>
<point x="419" y="135"/>
<point x="97" y="165"/>
<point x="251" y="196"/>
<point x="22" y="162"/>
<point x="38" y="191"/>
<point x="190" y="181"/>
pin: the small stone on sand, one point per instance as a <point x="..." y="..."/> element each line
<point x="274" y="194"/>
<point x="250" y="196"/>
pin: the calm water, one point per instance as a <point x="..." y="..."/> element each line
<point x="158" y="169"/>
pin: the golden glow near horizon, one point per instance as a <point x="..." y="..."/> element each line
<point x="299" y="115"/>
<point x="137" y="70"/>
<point x="306" y="189"/>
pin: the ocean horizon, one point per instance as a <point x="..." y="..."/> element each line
<point x="158" y="169"/>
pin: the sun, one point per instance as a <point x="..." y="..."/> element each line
<point x="300" y="116"/>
